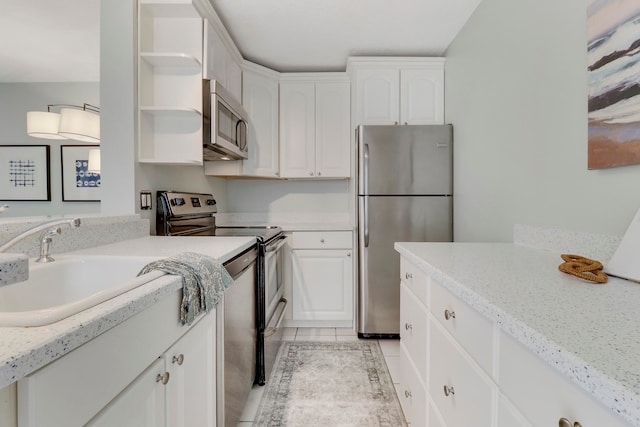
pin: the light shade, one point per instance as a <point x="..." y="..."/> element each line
<point x="94" y="161"/>
<point x="81" y="125"/>
<point x="43" y="124"/>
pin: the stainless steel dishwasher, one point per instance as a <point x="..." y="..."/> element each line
<point x="236" y="338"/>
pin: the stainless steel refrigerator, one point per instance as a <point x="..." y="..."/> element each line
<point x="404" y="195"/>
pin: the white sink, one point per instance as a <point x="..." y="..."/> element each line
<point x="69" y="285"/>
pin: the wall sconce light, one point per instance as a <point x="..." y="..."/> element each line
<point x="81" y="123"/>
<point x="94" y="161"/>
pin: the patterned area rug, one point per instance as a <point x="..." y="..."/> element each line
<point x="330" y="384"/>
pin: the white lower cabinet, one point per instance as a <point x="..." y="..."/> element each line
<point x="412" y="392"/>
<point x="177" y="390"/>
<point x="319" y="278"/>
<point x="478" y="375"/>
<point x="321" y="284"/>
<point x="543" y="395"/>
<point x="461" y="391"/>
<point x="508" y="415"/>
<point x="140" y="404"/>
<point x="113" y="379"/>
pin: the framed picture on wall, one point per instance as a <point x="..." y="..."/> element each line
<point x="25" y="173"/>
<point x="80" y="179"/>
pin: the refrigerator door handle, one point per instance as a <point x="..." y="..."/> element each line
<point x="365" y="170"/>
<point x="365" y="219"/>
<point x="365" y="185"/>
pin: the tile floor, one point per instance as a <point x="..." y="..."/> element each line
<point x="390" y="350"/>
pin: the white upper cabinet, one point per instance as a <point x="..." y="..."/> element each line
<point x="169" y="83"/>
<point x="397" y="90"/>
<point x="260" y="99"/>
<point x="315" y="126"/>
<point x="220" y="63"/>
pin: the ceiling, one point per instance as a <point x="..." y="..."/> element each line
<point x="50" y="41"/>
<point x="319" y="35"/>
<point x="44" y="42"/>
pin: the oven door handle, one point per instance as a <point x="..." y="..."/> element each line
<point x="275" y="246"/>
<point x="273" y="329"/>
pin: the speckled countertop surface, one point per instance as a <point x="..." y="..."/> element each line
<point x="589" y="332"/>
<point x="23" y="350"/>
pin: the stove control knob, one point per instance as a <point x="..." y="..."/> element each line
<point x="211" y="202"/>
<point x="178" y="201"/>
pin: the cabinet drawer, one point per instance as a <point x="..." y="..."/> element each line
<point x="415" y="279"/>
<point x="460" y="390"/>
<point x="544" y="395"/>
<point x="412" y="392"/>
<point x="321" y="240"/>
<point x="508" y="415"/>
<point x="473" y="331"/>
<point x="413" y="329"/>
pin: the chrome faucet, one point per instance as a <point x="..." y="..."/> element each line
<point x="49" y="228"/>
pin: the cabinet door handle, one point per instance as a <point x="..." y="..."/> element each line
<point x="310" y="173"/>
<point x="319" y="174"/>
<point x="178" y="359"/>
<point x="348" y="253"/>
<point x="408" y="276"/>
<point x="407" y="394"/>
<point x="408" y="327"/>
<point x="449" y="390"/>
<point x="563" y="422"/>
<point x="163" y="378"/>
<point x="449" y="314"/>
<point x="321" y="240"/>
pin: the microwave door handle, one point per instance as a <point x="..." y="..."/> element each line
<point x="242" y="143"/>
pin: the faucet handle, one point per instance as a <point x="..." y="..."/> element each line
<point x="45" y="244"/>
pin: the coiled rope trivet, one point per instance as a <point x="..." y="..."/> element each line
<point x="583" y="268"/>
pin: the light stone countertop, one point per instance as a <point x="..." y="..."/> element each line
<point x="589" y="332"/>
<point x="23" y="350"/>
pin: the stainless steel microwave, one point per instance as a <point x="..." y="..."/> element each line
<point x="225" y="124"/>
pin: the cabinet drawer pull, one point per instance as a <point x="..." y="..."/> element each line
<point x="407" y="394"/>
<point x="310" y="173"/>
<point x="449" y="390"/>
<point x="163" y="378"/>
<point x="408" y="276"/>
<point x="563" y="422"/>
<point x="321" y="240"/>
<point x="179" y="359"/>
<point x="408" y="327"/>
<point x="449" y="314"/>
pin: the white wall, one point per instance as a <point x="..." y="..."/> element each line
<point x="309" y="197"/>
<point x="516" y="93"/>
<point x="18" y="98"/>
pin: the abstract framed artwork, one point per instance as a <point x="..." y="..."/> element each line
<point x="78" y="183"/>
<point x="25" y="173"/>
<point x="613" y="53"/>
